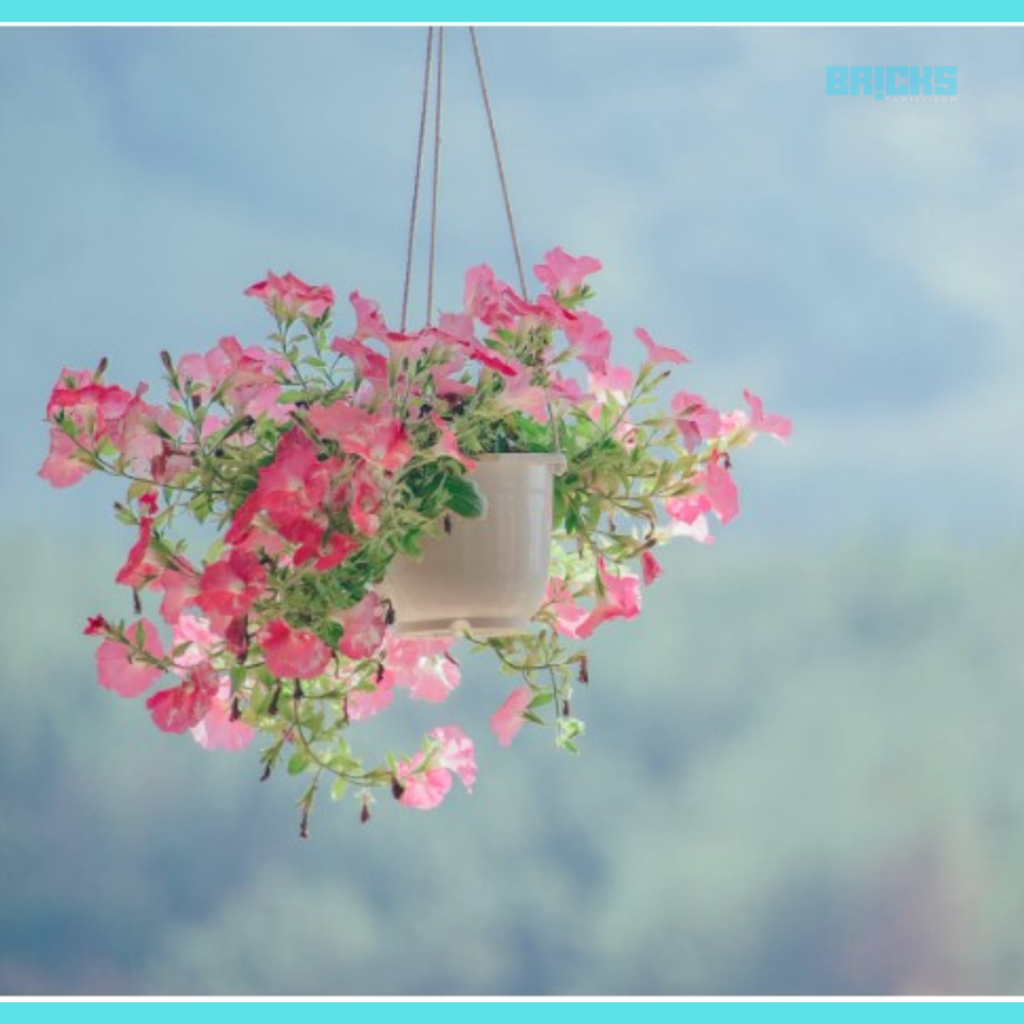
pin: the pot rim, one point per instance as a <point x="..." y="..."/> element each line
<point x="555" y="459"/>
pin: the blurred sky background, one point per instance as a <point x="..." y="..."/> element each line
<point x="824" y="792"/>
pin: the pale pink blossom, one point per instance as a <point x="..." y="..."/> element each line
<point x="507" y="366"/>
<point x="426" y="778"/>
<point x="369" y="321"/>
<point x="182" y="707"/>
<point x="421" y="788"/>
<point x="364" y="507"/>
<point x="771" y="423"/>
<point x="448" y="386"/>
<point x="590" y="340"/>
<point x="448" y="444"/>
<point x="288" y="296"/>
<point x="563" y="274"/>
<point x="697" y="529"/>
<point x="688" y="507"/>
<point x="616" y="382"/>
<point x="293" y="653"/>
<point x="369" y="365"/>
<point x="456" y="753"/>
<point x="181" y="588"/>
<point x="64" y="464"/>
<point x="569" y="616"/>
<point x="695" y="419"/>
<point x="366" y="703"/>
<point x="659" y="353"/>
<point x="337" y="550"/>
<point x="425" y="667"/>
<point x="721" y="491"/>
<point x="136" y="433"/>
<point x="121" y="669"/>
<point x="141" y="565"/>
<point x="231" y="586"/>
<point x="202" y="640"/>
<point x="364" y="626"/>
<point x="217" y="730"/>
<point x="567" y="390"/>
<point x="522" y="395"/>
<point x="509" y="718"/>
<point x="618" y="598"/>
<point x="377" y="437"/>
<point x="485" y="298"/>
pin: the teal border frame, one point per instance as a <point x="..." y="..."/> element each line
<point x="462" y="11"/>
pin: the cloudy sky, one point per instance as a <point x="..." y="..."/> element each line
<point x="856" y="262"/>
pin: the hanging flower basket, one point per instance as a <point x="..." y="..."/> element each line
<point x="485" y="576"/>
<point x="369" y="496"/>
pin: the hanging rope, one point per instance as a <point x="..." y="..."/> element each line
<point x="433" y="75"/>
<point x="497" y="158"/>
<point x="416" y="181"/>
<point x="437" y="175"/>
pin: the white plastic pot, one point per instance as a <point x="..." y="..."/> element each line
<point x="488" y="575"/>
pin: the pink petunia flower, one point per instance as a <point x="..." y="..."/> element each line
<point x="616" y="382"/>
<point x="64" y="464"/>
<point x="120" y="669"/>
<point x="182" y="707"/>
<point x="96" y="626"/>
<point x="425" y="667"/>
<point x="181" y="588"/>
<point x="619" y="598"/>
<point x="563" y="274"/>
<point x="293" y="653"/>
<point x="509" y="718"/>
<point x="229" y="587"/>
<point x="364" y="626"/>
<point x="772" y="423"/>
<point x="651" y="568"/>
<point x="335" y="551"/>
<point x="288" y="297"/>
<point x="456" y="753"/>
<point x="591" y="341"/>
<point x="721" y="491"/>
<point x="425" y="779"/>
<point x="201" y="638"/>
<point x="448" y="444"/>
<point x="569" y="616"/>
<point x="141" y="566"/>
<point x="485" y="298"/>
<point x="369" y="321"/>
<point x="216" y="730"/>
<point x="521" y="394"/>
<point x="369" y="365"/>
<point x="659" y="353"/>
<point x="695" y="419"/>
<point x="364" y="507"/>
<point x="421" y="788"/>
<point x="376" y="437"/>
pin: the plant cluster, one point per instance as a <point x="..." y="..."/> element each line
<point x="316" y="459"/>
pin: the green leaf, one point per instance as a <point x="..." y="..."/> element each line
<point x="409" y="544"/>
<point x="298" y="762"/>
<point x="331" y="633"/>
<point x="338" y="788"/>
<point x="463" y="497"/>
<point x="138" y="488"/>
